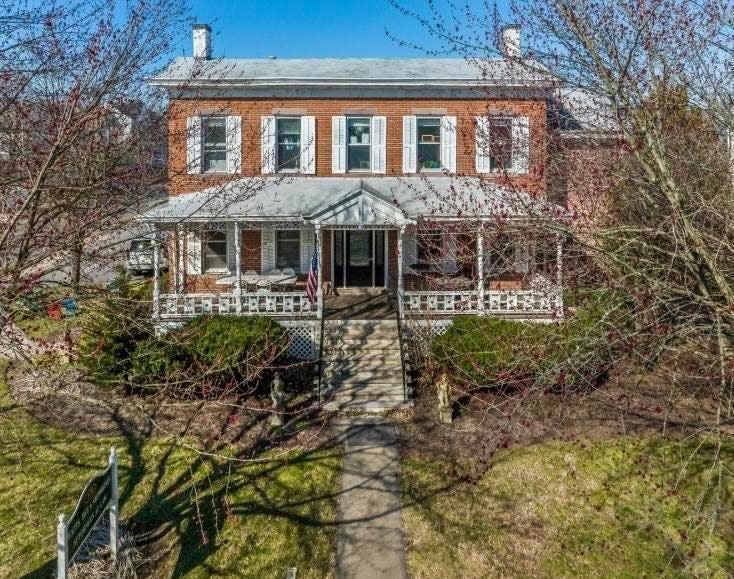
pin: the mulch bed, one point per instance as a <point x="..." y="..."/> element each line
<point x="65" y="399"/>
<point x="631" y="402"/>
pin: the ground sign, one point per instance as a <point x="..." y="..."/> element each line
<point x="98" y="496"/>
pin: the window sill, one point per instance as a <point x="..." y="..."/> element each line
<point x="216" y="271"/>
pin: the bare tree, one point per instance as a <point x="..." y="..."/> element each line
<point x="81" y="129"/>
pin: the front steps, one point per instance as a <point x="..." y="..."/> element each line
<point x="362" y="369"/>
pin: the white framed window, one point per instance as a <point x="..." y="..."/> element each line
<point x="428" y="140"/>
<point x="214" y="144"/>
<point x="214" y="251"/>
<point x="288" y="143"/>
<point x="359" y="144"/>
<point x="500" y="144"/>
<point x="288" y="249"/>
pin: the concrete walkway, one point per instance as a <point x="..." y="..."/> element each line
<point x="369" y="540"/>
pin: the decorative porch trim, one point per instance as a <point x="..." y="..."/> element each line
<point x="174" y="306"/>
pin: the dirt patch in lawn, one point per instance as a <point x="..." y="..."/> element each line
<point x="60" y="396"/>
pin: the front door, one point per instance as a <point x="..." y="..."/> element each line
<point x="359" y="258"/>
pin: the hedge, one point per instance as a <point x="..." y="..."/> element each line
<point x="576" y="352"/>
<point x="213" y="350"/>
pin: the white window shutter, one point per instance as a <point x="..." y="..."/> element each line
<point x="520" y="145"/>
<point x="267" y="144"/>
<point x="448" y="143"/>
<point x="231" y="262"/>
<point x="307" y="246"/>
<point x="338" y="144"/>
<point x="234" y="145"/>
<point x="483" y="163"/>
<point x="193" y="253"/>
<point x="308" y="145"/>
<point x="193" y="145"/>
<point x="378" y="131"/>
<point x="267" y="250"/>
<point x="409" y="145"/>
<point x="410" y="251"/>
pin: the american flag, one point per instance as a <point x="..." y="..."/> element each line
<point x="312" y="283"/>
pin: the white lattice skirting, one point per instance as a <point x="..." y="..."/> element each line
<point x="302" y="338"/>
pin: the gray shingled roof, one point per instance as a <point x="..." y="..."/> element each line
<point x="347" y="70"/>
<point x="579" y="110"/>
<point x="306" y="198"/>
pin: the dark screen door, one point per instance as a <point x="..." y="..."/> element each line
<point x="359" y="258"/>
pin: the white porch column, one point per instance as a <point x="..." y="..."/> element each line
<point x="238" y="267"/>
<point x="180" y="264"/>
<point x="319" y="289"/>
<point x="401" y="231"/>
<point x="559" y="276"/>
<point x="156" y="273"/>
<point x="480" y="267"/>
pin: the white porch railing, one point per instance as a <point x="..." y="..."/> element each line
<point x="269" y="304"/>
<point x="468" y="302"/>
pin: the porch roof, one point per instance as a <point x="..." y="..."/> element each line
<point x="339" y="201"/>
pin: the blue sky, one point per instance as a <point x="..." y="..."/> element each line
<point x="303" y="28"/>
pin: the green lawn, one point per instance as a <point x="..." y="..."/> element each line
<point x="214" y="517"/>
<point x="611" y="509"/>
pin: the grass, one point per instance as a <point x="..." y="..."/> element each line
<point x="624" y="508"/>
<point x="205" y="516"/>
<point x="43" y="328"/>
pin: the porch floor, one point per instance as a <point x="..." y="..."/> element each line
<point x="361" y="305"/>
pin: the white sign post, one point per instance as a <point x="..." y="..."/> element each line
<point x="99" y="494"/>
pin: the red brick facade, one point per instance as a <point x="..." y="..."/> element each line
<point x="252" y="110"/>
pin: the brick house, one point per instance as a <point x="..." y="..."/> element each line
<point x="397" y="176"/>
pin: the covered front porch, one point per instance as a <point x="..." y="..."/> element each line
<point x="244" y="262"/>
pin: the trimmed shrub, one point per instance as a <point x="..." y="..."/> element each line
<point x="209" y="352"/>
<point x="577" y="352"/>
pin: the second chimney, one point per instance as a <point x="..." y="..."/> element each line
<point x="202" y="35"/>
<point x="510" y="38"/>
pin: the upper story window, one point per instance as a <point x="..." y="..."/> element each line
<point x="214" y="144"/>
<point x="359" y="144"/>
<point x="500" y="144"/>
<point x="214" y="251"/>
<point x="288" y="138"/>
<point x="288" y="144"/>
<point x="429" y="143"/>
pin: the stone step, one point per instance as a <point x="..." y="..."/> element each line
<point x="375" y="390"/>
<point x="352" y="343"/>
<point x="361" y="365"/>
<point x="358" y="355"/>
<point x="363" y="335"/>
<point x="380" y="376"/>
<point x="366" y="405"/>
<point x="333" y="385"/>
<point x="381" y="322"/>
